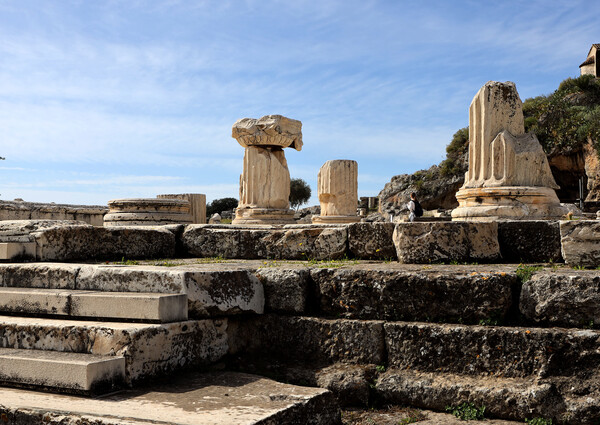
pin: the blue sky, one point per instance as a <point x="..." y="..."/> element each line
<point x="116" y="99"/>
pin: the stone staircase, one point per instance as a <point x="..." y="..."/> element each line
<point x="393" y="334"/>
<point x="94" y="340"/>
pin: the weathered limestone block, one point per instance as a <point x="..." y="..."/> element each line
<point x="509" y="175"/>
<point x="21" y="230"/>
<point x="430" y="242"/>
<point x="338" y="192"/>
<point x="17" y="251"/>
<point x="510" y="352"/>
<point x="197" y="205"/>
<point x="529" y="241"/>
<point x="580" y="242"/>
<point x="350" y="383"/>
<point x="372" y="241"/>
<point x="513" y="398"/>
<point x="210" y="291"/>
<point x="75" y="243"/>
<point x="270" y="130"/>
<point x="291" y="243"/>
<point x="566" y="298"/>
<point x="21" y="210"/>
<point x="434" y="295"/>
<point x="41" y="275"/>
<point x="285" y="290"/>
<point x="147" y="212"/>
<point x="148" y="349"/>
<point x="308" y="339"/>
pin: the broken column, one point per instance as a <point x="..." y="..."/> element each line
<point x="509" y="176"/>
<point x="338" y="192"/>
<point x="147" y="212"/>
<point x="265" y="180"/>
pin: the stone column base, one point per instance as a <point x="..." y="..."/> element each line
<point x="510" y="203"/>
<point x="264" y="216"/>
<point x="147" y="212"/>
<point x="335" y="219"/>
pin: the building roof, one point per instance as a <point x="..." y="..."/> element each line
<point x="588" y="61"/>
<point x="596" y="45"/>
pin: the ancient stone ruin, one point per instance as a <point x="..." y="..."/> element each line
<point x="265" y="180"/>
<point x="338" y="192"/>
<point x="508" y="175"/>
<point x="197" y="205"/>
<point x="147" y="212"/>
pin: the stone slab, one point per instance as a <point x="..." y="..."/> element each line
<point x="66" y="371"/>
<point x="197" y="398"/>
<point x="515" y="352"/>
<point x="580" y="242"/>
<point x="111" y="305"/>
<point x="148" y="349"/>
<point x="378" y="292"/>
<point x="530" y="241"/>
<point x="15" y="251"/>
<point x="162" y="308"/>
<point x="372" y="241"/>
<point x="304" y="243"/>
<point x="308" y="339"/>
<point x="430" y="242"/>
<point x="568" y="298"/>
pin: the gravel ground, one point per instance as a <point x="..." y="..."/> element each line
<point x="405" y="415"/>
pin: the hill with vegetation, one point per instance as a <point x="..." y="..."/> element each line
<point x="567" y="124"/>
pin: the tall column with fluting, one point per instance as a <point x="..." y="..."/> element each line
<point x="338" y="192"/>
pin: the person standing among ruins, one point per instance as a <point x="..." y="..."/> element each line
<point x="414" y="207"/>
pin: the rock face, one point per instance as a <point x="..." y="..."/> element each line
<point x="422" y="242"/>
<point x="580" y="242"/>
<point x="265" y="180"/>
<point x="371" y="241"/>
<point x="433" y="191"/>
<point x="147" y="212"/>
<point x="509" y="175"/>
<point x="338" y="192"/>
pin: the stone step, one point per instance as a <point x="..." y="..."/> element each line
<point x="148" y="349"/>
<point x="218" y="398"/>
<point x="492" y="350"/>
<point x="516" y="352"/>
<point x="509" y="398"/>
<point x="76" y="372"/>
<point x="110" y="305"/>
<point x="211" y="289"/>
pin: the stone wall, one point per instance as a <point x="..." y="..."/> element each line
<point x="21" y="210"/>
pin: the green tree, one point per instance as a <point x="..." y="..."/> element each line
<point x="299" y="193"/>
<point x="219" y="205"/>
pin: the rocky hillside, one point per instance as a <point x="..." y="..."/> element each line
<point x="567" y="124"/>
<point x="435" y="187"/>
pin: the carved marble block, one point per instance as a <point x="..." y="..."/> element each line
<point x="509" y="175"/>
<point x="265" y="179"/>
<point x="338" y="192"/>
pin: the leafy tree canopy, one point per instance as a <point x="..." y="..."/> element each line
<point x="299" y="192"/>
<point x="219" y="205"/>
